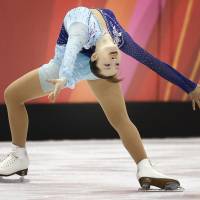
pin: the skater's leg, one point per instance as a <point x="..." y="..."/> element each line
<point x="24" y="88"/>
<point x="110" y="97"/>
<point x="30" y="86"/>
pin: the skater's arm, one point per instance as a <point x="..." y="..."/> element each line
<point x="78" y="36"/>
<point x="132" y="49"/>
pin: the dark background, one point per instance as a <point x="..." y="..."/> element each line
<point x="87" y="121"/>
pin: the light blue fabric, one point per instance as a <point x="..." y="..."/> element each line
<point x="78" y="36"/>
<point x="84" y="16"/>
<point x="82" y="32"/>
<point x="51" y="71"/>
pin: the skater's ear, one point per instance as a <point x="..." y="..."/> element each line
<point x="94" y="57"/>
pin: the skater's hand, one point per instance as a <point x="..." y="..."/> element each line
<point x="195" y="96"/>
<point x="59" y="85"/>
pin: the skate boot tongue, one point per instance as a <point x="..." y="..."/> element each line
<point x="18" y="151"/>
<point x="144" y="163"/>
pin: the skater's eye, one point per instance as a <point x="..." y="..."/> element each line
<point x="107" y="65"/>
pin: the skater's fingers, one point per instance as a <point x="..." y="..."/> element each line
<point x="55" y="94"/>
<point x="57" y="91"/>
<point x="198" y="103"/>
<point x="193" y="104"/>
<point x="51" y="97"/>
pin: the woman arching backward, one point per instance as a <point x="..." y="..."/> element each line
<point x="88" y="48"/>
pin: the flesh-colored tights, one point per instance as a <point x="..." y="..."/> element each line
<point x="111" y="100"/>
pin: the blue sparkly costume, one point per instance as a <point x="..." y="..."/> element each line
<point x="131" y="48"/>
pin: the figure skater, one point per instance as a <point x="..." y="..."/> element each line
<point x="88" y="48"/>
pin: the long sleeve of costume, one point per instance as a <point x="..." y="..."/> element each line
<point x="163" y="69"/>
<point x="78" y="36"/>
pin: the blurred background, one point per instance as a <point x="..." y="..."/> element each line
<point x="169" y="29"/>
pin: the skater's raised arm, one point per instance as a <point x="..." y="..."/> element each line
<point x="72" y="42"/>
<point x="78" y="36"/>
<point x="132" y="49"/>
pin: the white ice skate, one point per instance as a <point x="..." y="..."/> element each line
<point x="3" y="157"/>
<point x="15" y="163"/>
<point x="148" y="176"/>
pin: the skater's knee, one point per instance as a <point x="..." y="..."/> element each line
<point x="11" y="95"/>
<point x="8" y="94"/>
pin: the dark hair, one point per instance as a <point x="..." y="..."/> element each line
<point x="96" y="71"/>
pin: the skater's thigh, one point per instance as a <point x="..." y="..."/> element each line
<point x="25" y="88"/>
<point x="110" y="97"/>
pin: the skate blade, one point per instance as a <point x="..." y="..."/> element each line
<point x="20" y="173"/>
<point x="161" y="183"/>
<point x="180" y="189"/>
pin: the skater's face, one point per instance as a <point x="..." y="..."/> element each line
<point x="107" y="57"/>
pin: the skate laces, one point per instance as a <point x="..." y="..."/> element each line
<point x="9" y="159"/>
<point x="3" y="157"/>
